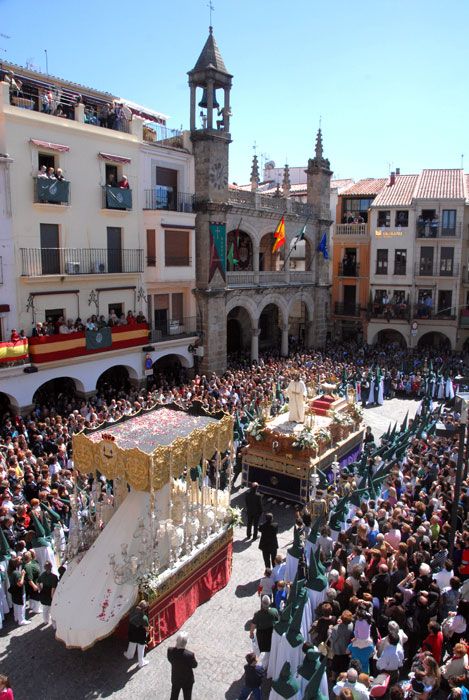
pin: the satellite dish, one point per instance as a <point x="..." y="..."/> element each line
<point x="269" y="165"/>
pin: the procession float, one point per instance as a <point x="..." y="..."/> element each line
<point x="300" y="452"/>
<point x="163" y="532"/>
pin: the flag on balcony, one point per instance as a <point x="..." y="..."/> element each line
<point x="322" y="247"/>
<point x="217" y="250"/>
<point x="279" y="235"/>
<point x="96" y="340"/>
<point x="232" y="260"/>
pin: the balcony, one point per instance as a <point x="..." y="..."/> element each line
<point x="254" y="200"/>
<point x="341" y="309"/>
<point x="464" y="318"/>
<point x="47" y="191"/>
<point x="400" y="269"/>
<point x="269" y="278"/>
<point x="175" y="328"/>
<point x="432" y="269"/>
<point x="116" y="198"/>
<point x="349" y="269"/>
<point x="167" y="201"/>
<point x="401" y="312"/>
<point x="37" y="262"/>
<point x="53" y="348"/>
<point x="157" y="132"/>
<point x="426" y="313"/>
<point x="351" y="230"/>
<point x="433" y="229"/>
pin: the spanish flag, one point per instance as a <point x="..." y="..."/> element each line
<point x="279" y="235"/>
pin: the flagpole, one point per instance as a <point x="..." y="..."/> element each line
<point x="294" y="246"/>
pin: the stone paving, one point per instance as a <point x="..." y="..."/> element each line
<point x="40" y="668"/>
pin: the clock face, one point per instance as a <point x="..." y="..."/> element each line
<point x="218" y="175"/>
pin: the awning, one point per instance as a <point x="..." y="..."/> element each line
<point x="113" y="158"/>
<point x="60" y="148"/>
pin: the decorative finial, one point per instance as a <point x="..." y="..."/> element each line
<point x="286" y="184"/>
<point x="211" y="9"/>
<point x="254" y="174"/>
<point x="277" y="191"/>
<point x="319" y="149"/>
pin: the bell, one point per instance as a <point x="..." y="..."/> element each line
<point x="203" y="102"/>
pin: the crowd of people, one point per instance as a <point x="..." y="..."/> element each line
<point x="391" y="561"/>
<point x="93" y="323"/>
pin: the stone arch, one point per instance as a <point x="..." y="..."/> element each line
<point x="118" y="377"/>
<point x="268" y="261"/>
<point x="307" y="301"/>
<point x="246" y="303"/>
<point x="54" y="389"/>
<point x="300" y="255"/>
<point x="8" y="405"/>
<point x="389" y="336"/>
<point x="300" y="317"/>
<point x="239" y="330"/>
<point x="277" y="300"/>
<point x="434" y="339"/>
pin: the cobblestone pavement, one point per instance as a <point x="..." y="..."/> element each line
<point x="41" y="668"/>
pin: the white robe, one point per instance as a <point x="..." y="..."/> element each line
<point x="44" y="554"/>
<point x="371" y="395"/>
<point x="449" y="391"/>
<point x="291" y="568"/>
<point x="275" y="646"/>
<point x="315" y="598"/>
<point x="296" y="392"/>
<point x="286" y="653"/>
<point x="323" y="687"/>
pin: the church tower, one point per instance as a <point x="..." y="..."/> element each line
<point x="318" y="178"/>
<point x="210" y="86"/>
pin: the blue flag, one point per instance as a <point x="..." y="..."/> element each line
<point x="322" y="247"/>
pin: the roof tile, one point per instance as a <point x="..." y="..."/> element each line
<point x="369" y="186"/>
<point x="440" y="184"/>
<point x="399" y="194"/>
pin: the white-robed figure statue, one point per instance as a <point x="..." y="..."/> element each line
<point x="296" y="392"/>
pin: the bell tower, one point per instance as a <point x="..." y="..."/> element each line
<point x="210" y="86"/>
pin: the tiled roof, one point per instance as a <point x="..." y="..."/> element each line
<point x="341" y="184"/>
<point x="367" y="187"/>
<point x="399" y="194"/>
<point x="440" y="184"/>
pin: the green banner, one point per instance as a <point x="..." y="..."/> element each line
<point x="52" y="191"/>
<point x="217" y="250"/>
<point x="118" y="198"/>
<point x="95" y="340"/>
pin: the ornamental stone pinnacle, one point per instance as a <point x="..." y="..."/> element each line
<point x="286" y="184"/>
<point x="254" y="174"/>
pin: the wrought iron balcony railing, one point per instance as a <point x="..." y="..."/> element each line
<point x="37" y="262"/>
<point x="435" y="229"/>
<point x="171" y="328"/>
<point x="169" y="201"/>
<point x="349" y="269"/>
<point x="344" y="309"/>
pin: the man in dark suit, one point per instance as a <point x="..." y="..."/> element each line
<point x="268" y="543"/>
<point x="182" y="662"/>
<point x="253" y="509"/>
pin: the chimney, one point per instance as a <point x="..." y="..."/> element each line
<point x="392" y="179"/>
<point x="398" y="171"/>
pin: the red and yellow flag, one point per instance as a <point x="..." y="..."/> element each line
<point x="279" y="235"/>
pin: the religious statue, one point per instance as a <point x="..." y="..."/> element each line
<point x="296" y="392"/>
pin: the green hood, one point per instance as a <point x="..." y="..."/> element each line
<point x="286" y="685"/>
<point x="312" y="691"/>
<point x="296" y="549"/>
<point x="317" y="579"/>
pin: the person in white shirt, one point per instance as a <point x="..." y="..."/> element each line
<point x="359" y="690"/>
<point x="278" y="572"/>
<point x="443" y="577"/>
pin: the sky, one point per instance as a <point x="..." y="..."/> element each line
<point x="387" y="78"/>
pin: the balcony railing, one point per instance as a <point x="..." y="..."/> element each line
<point x="349" y="269"/>
<point x="47" y="191"/>
<point x="269" y="278"/>
<point x="464" y="318"/>
<point x="433" y="229"/>
<point x="400" y="269"/>
<point x="241" y="279"/>
<point x="390" y="311"/>
<point x="116" y="198"/>
<point x="37" y="262"/>
<point x="301" y="277"/>
<point x="182" y="201"/>
<point x="350" y="229"/>
<point x="341" y="309"/>
<point x="174" y="328"/>
<point x="255" y="200"/>
<point x="422" y="311"/>
<point x="433" y="269"/>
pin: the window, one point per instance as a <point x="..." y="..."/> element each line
<point x="151" y="247"/>
<point x="53" y="315"/>
<point x="176" y="248"/>
<point x="177" y="307"/>
<point x="400" y="260"/>
<point x="427" y="224"/>
<point x="349" y="262"/>
<point x="384" y="218"/>
<point x="50" y="252"/>
<point x="448" y="222"/>
<point x="398" y="296"/>
<point x="382" y="261"/>
<point x="118" y="309"/>
<point x="402" y="218"/>
<point x="355" y="210"/>
<point x="112" y="175"/>
<point x="161" y="313"/>
<point x="45" y="159"/>
<point x="166" y="188"/>
<point x="445" y="298"/>
<point x="424" y="303"/>
<point x="446" y="261"/>
<point x="426" y="261"/>
<point x="114" y="249"/>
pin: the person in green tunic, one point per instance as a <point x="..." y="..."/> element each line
<point x="47" y="583"/>
<point x="31" y="567"/>
<point x="17" y="576"/>
<point x="263" y="624"/>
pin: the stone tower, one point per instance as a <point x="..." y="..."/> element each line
<point x="210" y="139"/>
<point x="318" y="197"/>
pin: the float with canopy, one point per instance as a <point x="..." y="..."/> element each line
<point x="165" y="531"/>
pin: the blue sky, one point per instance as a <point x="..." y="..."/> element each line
<point x="388" y="77"/>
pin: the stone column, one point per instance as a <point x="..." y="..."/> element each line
<point x="80" y="112"/>
<point x="192" y="117"/>
<point x="226" y="115"/>
<point x="309" y="334"/>
<point x="209" y="104"/>
<point x="284" y="348"/>
<point x="255" y="333"/>
<point x="255" y="260"/>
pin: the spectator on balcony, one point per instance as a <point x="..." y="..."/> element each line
<point x="15" y="84"/>
<point x="14" y="337"/>
<point x="101" y="323"/>
<point x="38" y="330"/>
<point x="91" y="325"/>
<point x="122" y="320"/>
<point x="51" y="173"/>
<point x="42" y="172"/>
<point x="59" y="174"/>
<point x="63" y="328"/>
<point x="59" y="112"/>
<point x="46" y="102"/>
<point x="119" y="119"/>
<point x="434" y="227"/>
<point x="71" y="326"/>
<point x="141" y="318"/>
<point x="111" y="180"/>
<point x="79" y="325"/>
<point x="113" y="320"/>
<point x="131" y="320"/>
<point x="103" y="115"/>
<point x="124" y="183"/>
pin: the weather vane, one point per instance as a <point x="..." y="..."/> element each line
<point x="211" y="9"/>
